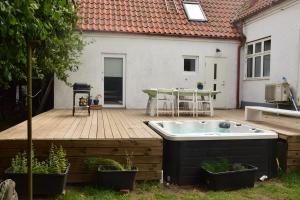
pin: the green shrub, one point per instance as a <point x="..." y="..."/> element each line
<point x="19" y="163"/>
<point x="222" y="166"/>
<point x="95" y="163"/>
<point x="57" y="159"/>
<point x="129" y="163"/>
<point x="55" y="164"/>
<point x="216" y="166"/>
<point x="238" y="166"/>
<point x="103" y="164"/>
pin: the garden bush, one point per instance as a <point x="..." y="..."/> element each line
<point x="55" y="164"/>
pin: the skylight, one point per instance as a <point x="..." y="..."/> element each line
<point x="194" y="11"/>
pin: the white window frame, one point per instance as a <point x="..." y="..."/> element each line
<point x="253" y="56"/>
<point x="188" y="14"/>
<point x="196" y="58"/>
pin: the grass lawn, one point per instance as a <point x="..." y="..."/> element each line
<point x="285" y="187"/>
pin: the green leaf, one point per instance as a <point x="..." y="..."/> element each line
<point x="12" y="20"/>
<point x="34" y="6"/>
<point x="50" y="21"/>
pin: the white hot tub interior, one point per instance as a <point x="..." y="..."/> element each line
<point x="209" y="129"/>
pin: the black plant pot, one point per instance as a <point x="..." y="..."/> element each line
<point x="230" y="180"/>
<point x="118" y="180"/>
<point x="200" y="87"/>
<point x="96" y="101"/>
<point x="43" y="184"/>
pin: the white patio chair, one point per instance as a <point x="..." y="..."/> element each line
<point x="166" y="98"/>
<point x="186" y="97"/>
<point x="203" y="104"/>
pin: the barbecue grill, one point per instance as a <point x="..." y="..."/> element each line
<point x="81" y="88"/>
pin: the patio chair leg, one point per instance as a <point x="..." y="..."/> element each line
<point x="193" y="109"/>
<point x="172" y="104"/>
<point x="178" y="106"/>
<point x="211" y="106"/>
<point x="156" y="106"/>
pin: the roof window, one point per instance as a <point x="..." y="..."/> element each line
<point x="194" y="11"/>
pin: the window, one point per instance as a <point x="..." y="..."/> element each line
<point x="258" y="59"/>
<point x="215" y="71"/>
<point x="194" y="11"/>
<point x="190" y="63"/>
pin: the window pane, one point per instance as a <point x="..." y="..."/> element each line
<point x="257" y="68"/>
<point x="267" y="62"/>
<point x="215" y="71"/>
<point x="189" y="65"/>
<point x="113" y="67"/>
<point x="215" y="89"/>
<point x="258" y="47"/>
<point x="194" y="11"/>
<point x="250" y="49"/>
<point x="249" y="67"/>
<point x="267" y="45"/>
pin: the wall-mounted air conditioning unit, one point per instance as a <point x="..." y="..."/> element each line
<point x="277" y="92"/>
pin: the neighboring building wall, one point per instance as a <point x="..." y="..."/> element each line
<point x="151" y="61"/>
<point x="283" y="25"/>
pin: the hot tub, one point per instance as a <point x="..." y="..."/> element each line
<point x="187" y="144"/>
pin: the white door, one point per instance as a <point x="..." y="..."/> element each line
<point x="215" y="79"/>
<point x="113" y="80"/>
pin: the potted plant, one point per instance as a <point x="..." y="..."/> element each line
<point x="113" y="175"/>
<point x="49" y="176"/>
<point x="221" y="175"/>
<point x="200" y="85"/>
<point x="97" y="98"/>
<point x="90" y="100"/>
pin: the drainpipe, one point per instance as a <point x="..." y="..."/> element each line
<point x="242" y="40"/>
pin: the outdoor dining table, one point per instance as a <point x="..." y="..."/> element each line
<point x="152" y="92"/>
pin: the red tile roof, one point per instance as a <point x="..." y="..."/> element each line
<point x="253" y="7"/>
<point x="153" y="17"/>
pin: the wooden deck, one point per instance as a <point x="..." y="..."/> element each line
<point x="105" y="133"/>
<point x="113" y="133"/>
<point x="102" y="124"/>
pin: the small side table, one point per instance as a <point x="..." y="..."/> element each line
<point x="96" y="107"/>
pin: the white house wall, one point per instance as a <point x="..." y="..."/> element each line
<point x="151" y="62"/>
<point x="282" y="23"/>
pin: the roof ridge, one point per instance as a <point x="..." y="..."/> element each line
<point x="253" y="7"/>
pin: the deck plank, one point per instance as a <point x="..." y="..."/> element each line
<point x="94" y="126"/>
<point x="76" y="134"/>
<point x="8" y="133"/>
<point x="120" y="124"/>
<point x="15" y="130"/>
<point x="129" y="126"/>
<point x="64" y="127"/>
<point x="100" y="126"/>
<point x="87" y="126"/>
<point x="68" y="134"/>
<point x="61" y="127"/>
<point x="112" y="123"/>
<point x="37" y="127"/>
<point x="107" y="129"/>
